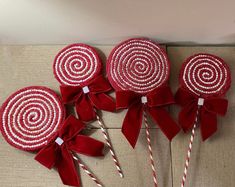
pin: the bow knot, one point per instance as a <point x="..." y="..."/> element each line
<point x="85" y="89"/>
<point x="144" y="99"/>
<point x="59" y="141"/>
<point x="88" y="97"/>
<point x="200" y="101"/>
<point x="208" y="108"/>
<point x="153" y="103"/>
<point x="58" y="152"/>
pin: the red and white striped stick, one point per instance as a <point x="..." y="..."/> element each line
<point x="150" y="150"/>
<point x="108" y="142"/>
<point x="189" y="150"/>
<point x="88" y="172"/>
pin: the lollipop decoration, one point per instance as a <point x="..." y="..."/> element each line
<point x="138" y="65"/>
<point x="138" y="69"/>
<point x="76" y="64"/>
<point x="32" y="119"/>
<point x="78" y="69"/>
<point x="59" y="152"/>
<point x="204" y="80"/>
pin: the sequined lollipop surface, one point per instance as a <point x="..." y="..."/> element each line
<point x="76" y="64"/>
<point x="204" y="78"/>
<point x="30" y="117"/>
<point x="139" y="65"/>
<point x="205" y="75"/>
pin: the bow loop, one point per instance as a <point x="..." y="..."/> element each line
<point x="70" y="93"/>
<point x="103" y="101"/>
<point x="126" y="98"/>
<point x="160" y="97"/>
<point x="217" y="106"/>
<point x="183" y="97"/>
<point x="99" y="85"/>
<point x="70" y="128"/>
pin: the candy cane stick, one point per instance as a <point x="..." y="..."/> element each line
<point x="189" y="150"/>
<point x="108" y="142"/>
<point x="88" y="172"/>
<point x="150" y="150"/>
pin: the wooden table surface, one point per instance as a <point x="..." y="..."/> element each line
<point x="212" y="163"/>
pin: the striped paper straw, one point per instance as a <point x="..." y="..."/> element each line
<point x="108" y="142"/>
<point x="189" y="150"/>
<point x="154" y="173"/>
<point x="87" y="171"/>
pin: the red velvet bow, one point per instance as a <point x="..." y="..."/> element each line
<point x="207" y="112"/>
<point x="60" y="156"/>
<point x="85" y="102"/>
<point x="156" y="100"/>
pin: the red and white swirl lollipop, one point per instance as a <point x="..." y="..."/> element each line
<point x="139" y="65"/>
<point x="205" y="75"/>
<point x="76" y="64"/>
<point x="204" y="78"/>
<point x="30" y="117"/>
<point x="136" y="68"/>
<point x="78" y="67"/>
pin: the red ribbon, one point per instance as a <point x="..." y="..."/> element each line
<point x="207" y="112"/>
<point x="60" y="156"/>
<point x="156" y="101"/>
<point x="85" y="102"/>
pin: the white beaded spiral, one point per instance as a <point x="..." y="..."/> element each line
<point x="205" y="74"/>
<point x="76" y="64"/>
<point x="139" y="65"/>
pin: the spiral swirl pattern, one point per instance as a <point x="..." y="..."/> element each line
<point x="138" y="65"/>
<point x="76" y="64"/>
<point x="205" y="75"/>
<point x="30" y="117"/>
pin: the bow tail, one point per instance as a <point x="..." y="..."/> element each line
<point x="187" y="116"/>
<point x="132" y="123"/>
<point x="208" y="124"/>
<point x="164" y="121"/>
<point x="67" y="169"/>
<point x="87" y="146"/>
<point x="85" y="109"/>
<point x="103" y="101"/>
